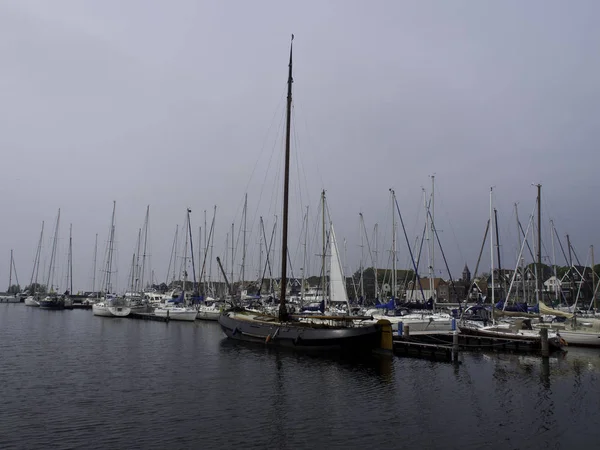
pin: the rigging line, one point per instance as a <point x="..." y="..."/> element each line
<point x="440" y="201"/>
<point x="443" y="254"/>
<point x="409" y="249"/>
<point x="311" y="141"/>
<point x="279" y="105"/>
<point x="267" y="175"/>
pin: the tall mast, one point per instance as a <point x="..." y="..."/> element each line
<point x="243" y="274"/>
<point x="492" y="252"/>
<point x="556" y="287"/>
<point x="206" y="246"/>
<point x="362" y="255"/>
<point x="539" y="240"/>
<point x="376" y="262"/>
<point x="50" y="280"/>
<point x="70" y="268"/>
<point x="324" y="249"/>
<point x="184" y="261"/>
<point x="521" y="262"/>
<point x="110" y="251"/>
<point x="429" y="239"/>
<point x="95" y="255"/>
<point x="432" y="236"/>
<point x="232" y="263"/>
<point x="135" y="265"/>
<point x="498" y="253"/>
<point x="302" y="288"/>
<point x="192" y="249"/>
<point x="36" y="264"/>
<point x="145" y="246"/>
<point x="593" y="280"/>
<point x="282" y="309"/>
<point x="393" y="245"/>
<point x="10" y="270"/>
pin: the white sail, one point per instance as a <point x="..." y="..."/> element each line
<point x="337" y="282"/>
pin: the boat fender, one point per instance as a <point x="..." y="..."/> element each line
<point x="234" y="332"/>
<point x="268" y="339"/>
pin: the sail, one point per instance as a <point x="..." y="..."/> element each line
<point x="545" y="309"/>
<point x="337" y="283"/>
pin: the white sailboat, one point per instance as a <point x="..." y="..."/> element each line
<point x="171" y="310"/>
<point x="111" y="306"/>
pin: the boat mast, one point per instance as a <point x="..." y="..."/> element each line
<point x="36" y="264"/>
<point x="539" y="241"/>
<point x="432" y="243"/>
<point x="232" y="260"/>
<point x="110" y="251"/>
<point x="393" y="246"/>
<point x="376" y="263"/>
<point x="556" y="287"/>
<point x="184" y="261"/>
<point x="282" y="309"/>
<point x="243" y="274"/>
<point x="10" y="271"/>
<point x="593" y="280"/>
<point x="145" y="246"/>
<point x="492" y="252"/>
<point x="195" y="285"/>
<point x="324" y="250"/>
<point x="94" y="274"/>
<point x="53" y="255"/>
<point x="70" y="268"/>
<point x="498" y="254"/>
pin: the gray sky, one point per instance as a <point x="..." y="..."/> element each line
<point x="173" y="104"/>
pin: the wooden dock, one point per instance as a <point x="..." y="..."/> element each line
<point x="147" y="316"/>
<point x="468" y="343"/>
<point x="436" y="352"/>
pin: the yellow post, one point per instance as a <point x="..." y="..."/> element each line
<point x="386" y="335"/>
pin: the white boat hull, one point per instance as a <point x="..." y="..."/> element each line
<point x="581" y="338"/>
<point x="31" y="301"/>
<point x="177" y="314"/>
<point x="119" y="311"/>
<point x="100" y="309"/>
<point x="9" y="299"/>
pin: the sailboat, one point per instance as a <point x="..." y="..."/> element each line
<point x="111" y="306"/>
<point x="32" y="298"/>
<point x="10" y="298"/>
<point x="297" y="331"/>
<point x="519" y="329"/>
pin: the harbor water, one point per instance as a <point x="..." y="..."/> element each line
<point x="72" y="380"/>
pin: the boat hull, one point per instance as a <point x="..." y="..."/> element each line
<point x="581" y="338"/>
<point x="205" y="314"/>
<point x="186" y="316"/>
<point x="300" y="336"/>
<point x="100" y="309"/>
<point x="31" y="301"/>
<point x="55" y="304"/>
<point x="119" y="311"/>
<point x="9" y="299"/>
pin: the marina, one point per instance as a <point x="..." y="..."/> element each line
<point x="284" y="225"/>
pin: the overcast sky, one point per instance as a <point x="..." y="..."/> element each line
<point x="181" y="104"/>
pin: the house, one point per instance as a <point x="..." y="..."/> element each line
<point x="441" y="289"/>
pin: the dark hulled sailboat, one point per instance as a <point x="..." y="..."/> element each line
<point x="296" y="331"/>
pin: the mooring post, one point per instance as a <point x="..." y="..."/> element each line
<point x="406" y="331"/>
<point x="167" y="315"/>
<point x="455" y="345"/>
<point x="544" y="336"/>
